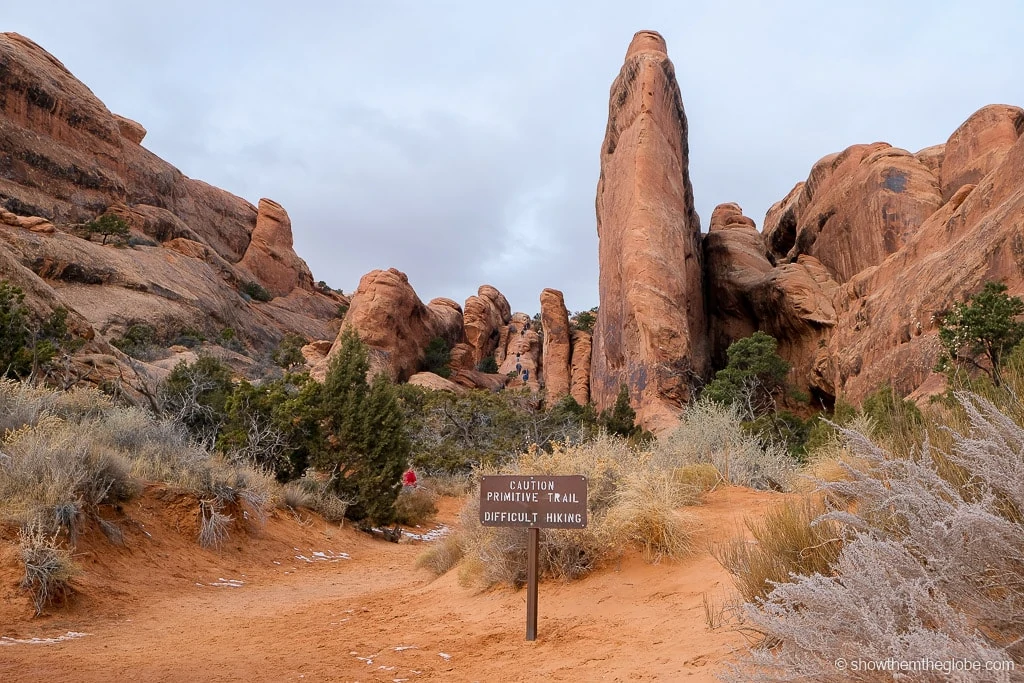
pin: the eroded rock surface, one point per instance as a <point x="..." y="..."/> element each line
<point x="651" y="328"/>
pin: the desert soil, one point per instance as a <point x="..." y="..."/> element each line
<point x="305" y="600"/>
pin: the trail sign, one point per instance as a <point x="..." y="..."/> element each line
<point x="533" y="502"/>
<point x="557" y="502"/>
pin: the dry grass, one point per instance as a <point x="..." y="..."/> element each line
<point x="712" y="434"/>
<point x="415" y="506"/>
<point x="442" y="555"/>
<point x="788" y="541"/>
<point x="633" y="501"/>
<point x="49" y="568"/>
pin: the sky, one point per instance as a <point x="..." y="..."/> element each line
<point x="460" y="141"/>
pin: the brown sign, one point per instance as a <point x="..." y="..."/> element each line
<point x="537" y="501"/>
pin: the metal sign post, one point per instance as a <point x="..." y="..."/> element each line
<point x="535" y="502"/>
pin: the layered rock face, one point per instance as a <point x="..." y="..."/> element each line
<point x="396" y="326"/>
<point x="65" y="159"/>
<point x="855" y="209"/>
<point x="651" y="328"/>
<point x="869" y="252"/>
<point x="557" y="344"/>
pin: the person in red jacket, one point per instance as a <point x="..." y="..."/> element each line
<point x="409" y="478"/>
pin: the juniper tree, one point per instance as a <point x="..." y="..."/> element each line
<point x="980" y="332"/>
<point x="364" y="444"/>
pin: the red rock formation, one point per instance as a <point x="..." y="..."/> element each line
<point x="396" y="326"/>
<point x="557" y="349"/>
<point x="580" y="370"/>
<point x="429" y="380"/>
<point x="855" y="209"/>
<point x="485" y="314"/>
<point x="872" y="218"/>
<point x="888" y="316"/>
<point x="68" y="159"/>
<point x="270" y="257"/>
<point x="979" y="145"/>
<point x="792" y="302"/>
<point x="524" y="350"/>
<point x="650" y="330"/>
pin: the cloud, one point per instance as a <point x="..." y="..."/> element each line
<point x="459" y="141"/>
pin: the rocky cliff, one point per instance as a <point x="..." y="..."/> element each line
<point x="65" y="159"/>
<point x="851" y="271"/>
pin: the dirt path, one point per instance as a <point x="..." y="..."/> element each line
<point x="360" y="611"/>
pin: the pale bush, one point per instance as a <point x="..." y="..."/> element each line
<point x="632" y="501"/>
<point x="441" y="555"/>
<point x="49" y="568"/>
<point x="788" y="540"/>
<point x="710" y="432"/>
<point x="931" y="567"/>
<point x="415" y="506"/>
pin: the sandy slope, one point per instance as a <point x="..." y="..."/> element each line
<point x="151" y="614"/>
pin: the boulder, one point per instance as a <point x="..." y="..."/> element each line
<point x="429" y="380"/>
<point x="396" y="326"/>
<point x="650" y="329"/>
<point x="557" y="346"/>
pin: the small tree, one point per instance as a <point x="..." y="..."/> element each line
<point x="437" y="357"/>
<point x="365" y="444"/>
<point x="621" y="418"/>
<point x="196" y="396"/>
<point x="109" y="225"/>
<point x="584" y="320"/>
<point x="753" y="373"/>
<point x="288" y="353"/>
<point x="15" y="332"/>
<point x="488" y="365"/>
<point x="26" y="345"/>
<point x="980" y="333"/>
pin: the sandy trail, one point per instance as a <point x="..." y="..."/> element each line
<point x="371" y="617"/>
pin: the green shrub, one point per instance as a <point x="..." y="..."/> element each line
<point x="288" y="353"/>
<point x="256" y="291"/>
<point x="584" y="320"/>
<point x="109" y="225"/>
<point x="229" y="340"/>
<point x="27" y="346"/>
<point x="488" y="365"/>
<point x="365" y="445"/>
<point x="620" y="419"/>
<point x="985" y="329"/>
<point x="195" y="395"/>
<point x="754" y="372"/>
<point x="437" y="357"/>
<point x="137" y="340"/>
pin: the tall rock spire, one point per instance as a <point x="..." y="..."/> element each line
<point x="651" y="329"/>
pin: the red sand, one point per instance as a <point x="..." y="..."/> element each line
<point x="374" y="617"/>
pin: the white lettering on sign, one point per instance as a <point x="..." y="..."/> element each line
<point x="531" y="485"/>
<point x="513" y="497"/>
<point x="563" y="518"/>
<point x="503" y="516"/>
<point x="562" y="498"/>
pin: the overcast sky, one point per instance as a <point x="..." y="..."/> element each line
<point x="459" y="141"/>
